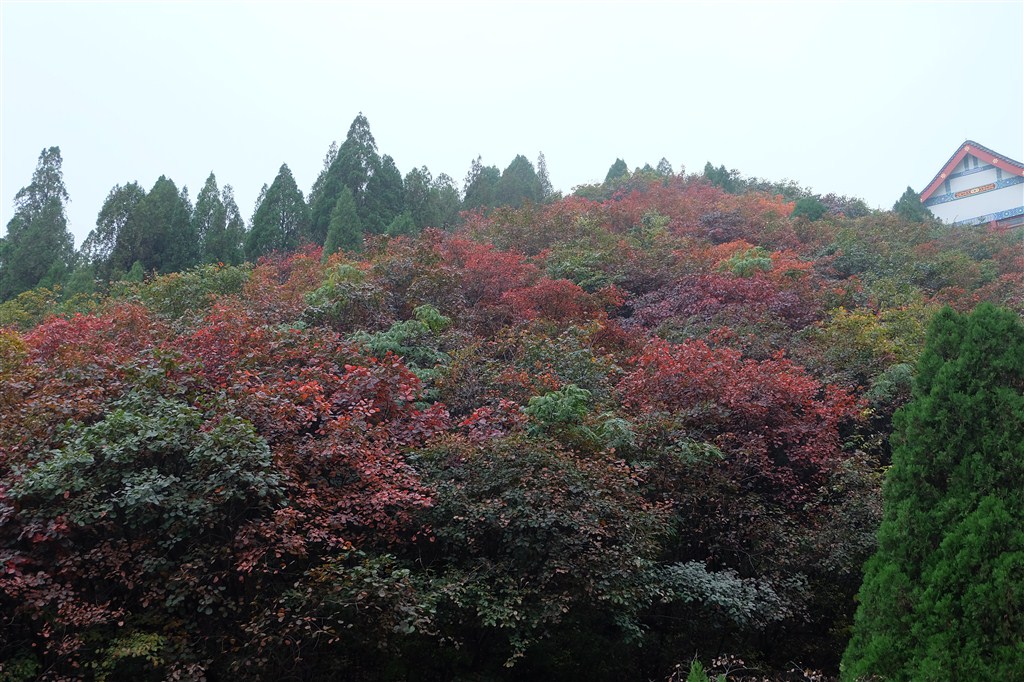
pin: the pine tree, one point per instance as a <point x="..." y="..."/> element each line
<point x="38" y="248"/>
<point x="355" y="162"/>
<point x="385" y="197"/>
<point x="481" y="182"/>
<point x="617" y="170"/>
<point x="230" y="250"/>
<point x="403" y="225"/>
<point x="445" y="205"/>
<point x="909" y="207"/>
<point x="163" y="236"/>
<point x="417" y="187"/>
<point x="209" y="219"/>
<point x="281" y="217"/>
<point x="547" y="192"/>
<point x="519" y="184"/>
<point x="346" y="229"/>
<point x="943" y="597"/>
<point x="113" y="245"/>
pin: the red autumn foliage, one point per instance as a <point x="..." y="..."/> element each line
<point x="558" y="300"/>
<point x="776" y="423"/>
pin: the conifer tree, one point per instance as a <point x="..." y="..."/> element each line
<point x="38" y="248"/>
<point x="618" y="170"/>
<point x="909" y="207"/>
<point x="346" y="229"/>
<point x="209" y="219"/>
<point x="943" y="597"/>
<point x="547" y="192"/>
<point x="445" y="204"/>
<point x="281" y="218"/>
<point x="481" y="183"/>
<point x="355" y="162"/>
<point x="519" y="184"/>
<point x="113" y="245"/>
<point x="163" y="236"/>
<point x="385" y="198"/>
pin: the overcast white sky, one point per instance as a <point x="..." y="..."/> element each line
<point x="857" y="98"/>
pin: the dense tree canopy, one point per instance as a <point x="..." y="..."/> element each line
<point x="601" y="437"/>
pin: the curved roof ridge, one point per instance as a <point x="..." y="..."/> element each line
<point x="968" y="146"/>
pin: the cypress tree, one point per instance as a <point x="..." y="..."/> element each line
<point x="346" y="229"/>
<point x="481" y="183"/>
<point x="281" y="218"/>
<point x="616" y="171"/>
<point x="943" y="597"/>
<point x="518" y="184"/>
<point x="38" y="248"/>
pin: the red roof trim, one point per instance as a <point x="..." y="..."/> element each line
<point x="984" y="153"/>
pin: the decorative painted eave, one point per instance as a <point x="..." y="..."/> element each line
<point x="983" y="153"/>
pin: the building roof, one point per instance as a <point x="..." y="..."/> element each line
<point x="983" y="153"/>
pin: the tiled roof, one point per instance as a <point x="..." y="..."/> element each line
<point x="981" y="151"/>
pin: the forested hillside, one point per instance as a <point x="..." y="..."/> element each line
<point x="395" y="431"/>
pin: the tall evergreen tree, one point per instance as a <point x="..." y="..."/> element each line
<point x="354" y="164"/>
<point x="230" y="250"/>
<point x="729" y="180"/>
<point x="162" y="222"/>
<point x="38" y="248"/>
<point x="481" y="183"/>
<point x="384" y="199"/>
<point x="943" y="597"/>
<point x="281" y="218"/>
<point x="218" y="224"/>
<point x="210" y="217"/>
<point x="519" y="184"/>
<point x="418" y="185"/>
<point x="617" y="170"/>
<point x="113" y="245"/>
<point x="445" y="204"/>
<point x="664" y="168"/>
<point x="547" y="192"/>
<point x="346" y="230"/>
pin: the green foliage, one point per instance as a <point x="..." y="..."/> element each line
<point x="218" y="224"/>
<point x="345" y="301"/>
<point x="909" y="207"/>
<point x="385" y="197"/>
<point x="556" y="409"/>
<point x="150" y="465"/>
<point x="38" y="249"/>
<point x="346" y="228"/>
<point x="19" y="668"/>
<point x="728" y="180"/>
<point x="146" y="646"/>
<point x="746" y="263"/>
<point x="161" y="235"/>
<point x="697" y="674"/>
<point x="810" y="208"/>
<point x="402" y="225"/>
<point x="112" y="246"/>
<point x="747" y="602"/>
<point x="941" y="598"/>
<point x="617" y="171"/>
<point x="281" y="220"/>
<point x="192" y="291"/>
<point x="522" y="507"/>
<point x="518" y="184"/>
<point x="415" y="341"/>
<point x="481" y="186"/>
